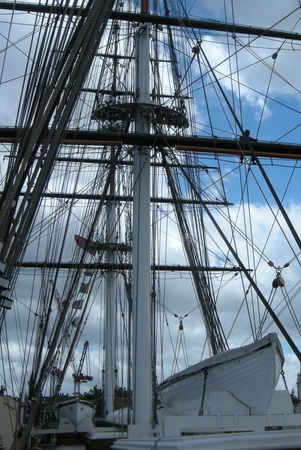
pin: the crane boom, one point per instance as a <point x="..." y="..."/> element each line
<point x="78" y="376"/>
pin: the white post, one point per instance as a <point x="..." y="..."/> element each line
<point x="142" y="341"/>
<point x="110" y="307"/>
<point x="110" y="315"/>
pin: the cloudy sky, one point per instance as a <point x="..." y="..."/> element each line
<point x="266" y="94"/>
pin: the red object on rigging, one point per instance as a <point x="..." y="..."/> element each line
<point x="84" y="244"/>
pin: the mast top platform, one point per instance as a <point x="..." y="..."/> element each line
<point x="115" y="115"/>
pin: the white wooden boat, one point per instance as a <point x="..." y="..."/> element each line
<point x="75" y="414"/>
<point x="249" y="373"/>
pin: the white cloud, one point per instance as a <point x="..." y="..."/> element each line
<point x="258" y="85"/>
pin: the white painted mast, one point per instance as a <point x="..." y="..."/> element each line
<point x="110" y="306"/>
<point x="142" y="340"/>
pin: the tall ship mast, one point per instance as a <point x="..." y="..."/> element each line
<point x="149" y="208"/>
